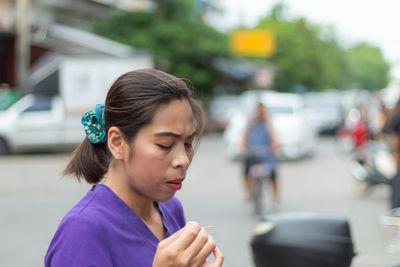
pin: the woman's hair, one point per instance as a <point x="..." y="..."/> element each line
<point x="131" y="104"/>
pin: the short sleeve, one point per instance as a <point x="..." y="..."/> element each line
<point x="78" y="242"/>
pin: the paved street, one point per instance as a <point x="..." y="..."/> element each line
<point x="34" y="197"/>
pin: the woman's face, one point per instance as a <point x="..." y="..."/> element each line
<point x="161" y="152"/>
<point x="260" y="112"/>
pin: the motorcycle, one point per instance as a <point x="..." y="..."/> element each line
<point x="373" y="165"/>
<point x="302" y="239"/>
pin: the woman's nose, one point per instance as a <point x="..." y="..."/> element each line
<point x="182" y="158"/>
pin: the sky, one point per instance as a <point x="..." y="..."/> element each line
<point x="373" y="21"/>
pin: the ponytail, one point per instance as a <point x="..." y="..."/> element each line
<point x="89" y="161"/>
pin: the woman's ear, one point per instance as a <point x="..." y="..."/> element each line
<point x="117" y="144"/>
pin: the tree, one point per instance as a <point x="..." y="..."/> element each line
<point x="302" y="56"/>
<point x="309" y="56"/>
<point x="369" y="69"/>
<point x="176" y="35"/>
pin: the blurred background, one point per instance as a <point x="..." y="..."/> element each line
<point x="328" y="73"/>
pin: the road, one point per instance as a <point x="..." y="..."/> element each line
<point x="34" y="197"/>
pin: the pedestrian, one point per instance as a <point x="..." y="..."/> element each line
<point x="394" y="143"/>
<point x="138" y="148"/>
<point x="360" y="132"/>
<point x="260" y="145"/>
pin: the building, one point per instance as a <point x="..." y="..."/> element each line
<point x="59" y="26"/>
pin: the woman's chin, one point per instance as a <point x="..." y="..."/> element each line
<point x="164" y="197"/>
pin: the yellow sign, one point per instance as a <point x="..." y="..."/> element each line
<point x="259" y="43"/>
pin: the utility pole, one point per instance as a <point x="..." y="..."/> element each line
<point x="22" y="43"/>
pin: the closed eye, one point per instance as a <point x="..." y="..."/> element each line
<point x="164" y="147"/>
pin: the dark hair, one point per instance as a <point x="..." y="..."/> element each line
<point x="131" y="104"/>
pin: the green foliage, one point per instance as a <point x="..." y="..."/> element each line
<point x="368" y="67"/>
<point x="303" y="58"/>
<point x="310" y="56"/>
<point x="176" y="35"/>
<point x="306" y="55"/>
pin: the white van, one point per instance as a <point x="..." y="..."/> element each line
<point x="59" y="91"/>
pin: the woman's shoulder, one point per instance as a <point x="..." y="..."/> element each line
<point x="89" y="213"/>
<point x="80" y="233"/>
<point x="86" y="215"/>
<point x="76" y="224"/>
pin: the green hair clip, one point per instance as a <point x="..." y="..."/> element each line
<point x="93" y="124"/>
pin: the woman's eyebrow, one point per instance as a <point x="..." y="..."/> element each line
<point x="175" y="135"/>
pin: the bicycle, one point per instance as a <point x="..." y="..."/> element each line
<point x="259" y="174"/>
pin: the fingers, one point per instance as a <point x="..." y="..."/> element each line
<point x="219" y="257"/>
<point x="198" y="246"/>
<point x="205" y="246"/>
<point x="172" y="238"/>
<point x="190" y="245"/>
<point x="186" y="236"/>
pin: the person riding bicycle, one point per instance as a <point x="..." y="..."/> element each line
<point x="260" y="146"/>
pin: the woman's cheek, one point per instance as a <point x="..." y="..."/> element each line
<point x="155" y="156"/>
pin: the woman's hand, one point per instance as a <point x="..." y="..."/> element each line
<point x="190" y="246"/>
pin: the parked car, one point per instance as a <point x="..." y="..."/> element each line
<point x="220" y="111"/>
<point x="325" y="111"/>
<point x="295" y="134"/>
<point x="60" y="91"/>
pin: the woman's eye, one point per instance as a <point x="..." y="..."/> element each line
<point x="164" y="147"/>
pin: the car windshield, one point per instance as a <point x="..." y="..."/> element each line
<point x="281" y="110"/>
<point x="279" y="105"/>
<point x="321" y="101"/>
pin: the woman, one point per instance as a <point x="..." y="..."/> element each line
<point x="260" y="145"/>
<point x="137" y="152"/>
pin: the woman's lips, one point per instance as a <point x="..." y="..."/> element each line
<point x="175" y="184"/>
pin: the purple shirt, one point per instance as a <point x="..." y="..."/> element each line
<point x="101" y="230"/>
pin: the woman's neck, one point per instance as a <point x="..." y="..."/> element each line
<point x="143" y="207"/>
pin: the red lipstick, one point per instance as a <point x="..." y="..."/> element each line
<point x="175" y="184"/>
